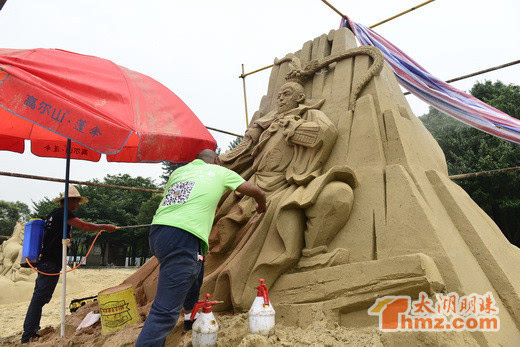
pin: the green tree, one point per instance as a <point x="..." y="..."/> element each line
<point x="234" y="143"/>
<point x="10" y="213"/>
<point x="43" y="207"/>
<point x="113" y="206"/>
<point x="168" y="168"/>
<point x="470" y="150"/>
<point x="23" y="209"/>
<point x="119" y="207"/>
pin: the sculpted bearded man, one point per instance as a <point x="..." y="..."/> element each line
<point x="282" y="151"/>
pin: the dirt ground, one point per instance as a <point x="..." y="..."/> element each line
<point x="92" y="281"/>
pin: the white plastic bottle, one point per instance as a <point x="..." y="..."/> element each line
<point x="261" y="314"/>
<point x="205" y="328"/>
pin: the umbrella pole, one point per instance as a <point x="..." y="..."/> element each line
<point x="64" y="242"/>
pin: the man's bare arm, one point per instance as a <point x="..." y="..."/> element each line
<point x="256" y="193"/>
<point x="90" y="227"/>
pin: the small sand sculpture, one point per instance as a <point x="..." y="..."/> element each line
<point x="11" y="254"/>
<point x="360" y="204"/>
<point x="16" y="282"/>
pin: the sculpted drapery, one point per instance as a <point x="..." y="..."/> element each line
<point x="282" y="153"/>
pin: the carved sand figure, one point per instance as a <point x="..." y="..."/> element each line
<point x="13" y="255"/>
<point x="16" y="282"/>
<point x="11" y="251"/>
<point x="283" y="153"/>
<point x="360" y="204"/>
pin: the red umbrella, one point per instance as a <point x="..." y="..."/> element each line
<point x="53" y="97"/>
<point x="102" y="107"/>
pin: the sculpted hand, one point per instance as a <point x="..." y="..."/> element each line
<point x="289" y="120"/>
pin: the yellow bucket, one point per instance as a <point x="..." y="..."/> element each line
<point x="117" y="307"/>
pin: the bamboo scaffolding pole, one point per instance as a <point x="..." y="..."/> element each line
<point x="333" y="8"/>
<point x="245" y="96"/>
<point x="223" y="131"/>
<point x="343" y="16"/>
<point x="84" y="183"/>
<point x="400" y="14"/>
<point x="483" y="173"/>
<point x="383" y="21"/>
<point x="255" y="71"/>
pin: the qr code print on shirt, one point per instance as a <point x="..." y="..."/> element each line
<point x="178" y="193"/>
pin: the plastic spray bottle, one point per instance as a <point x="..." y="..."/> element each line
<point x="261" y="314"/>
<point x="205" y="328"/>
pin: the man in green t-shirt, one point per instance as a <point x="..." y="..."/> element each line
<point x="179" y="238"/>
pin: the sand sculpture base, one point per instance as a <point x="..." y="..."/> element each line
<point x="344" y="291"/>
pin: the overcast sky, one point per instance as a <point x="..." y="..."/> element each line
<point x="196" y="49"/>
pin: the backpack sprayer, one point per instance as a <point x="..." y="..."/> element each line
<point x="32" y="248"/>
<point x="33" y="243"/>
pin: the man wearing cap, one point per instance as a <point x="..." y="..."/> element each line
<point x="179" y="238"/>
<point x="50" y="260"/>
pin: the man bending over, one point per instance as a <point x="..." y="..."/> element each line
<point x="179" y="238"/>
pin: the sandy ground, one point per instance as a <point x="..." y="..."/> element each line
<point x="234" y="330"/>
<point x="92" y="281"/>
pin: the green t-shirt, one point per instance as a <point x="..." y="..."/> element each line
<point x="191" y="197"/>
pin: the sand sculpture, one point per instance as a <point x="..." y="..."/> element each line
<point x="16" y="282"/>
<point x="360" y="203"/>
<point x="10" y="255"/>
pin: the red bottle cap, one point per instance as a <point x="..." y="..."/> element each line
<point x="262" y="291"/>
<point x="205" y="305"/>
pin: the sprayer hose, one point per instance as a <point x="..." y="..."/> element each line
<point x="74" y="268"/>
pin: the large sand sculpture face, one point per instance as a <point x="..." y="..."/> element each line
<point x="290" y="96"/>
<point x="360" y="204"/>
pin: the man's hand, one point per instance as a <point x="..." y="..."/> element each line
<point x="261" y="208"/>
<point x="109" y="227"/>
<point x="255" y="192"/>
<point x="90" y="227"/>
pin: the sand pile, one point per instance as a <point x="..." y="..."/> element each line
<point x="233" y="332"/>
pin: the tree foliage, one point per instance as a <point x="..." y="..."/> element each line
<point x="10" y="213"/>
<point x="470" y="150"/>
<point x="113" y="206"/>
<point x="168" y="168"/>
<point x="234" y="143"/>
